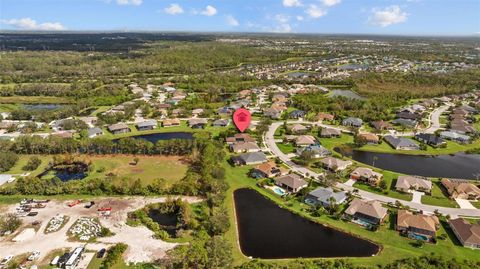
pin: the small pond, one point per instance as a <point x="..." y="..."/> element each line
<point x="346" y="93"/>
<point x="167" y="221"/>
<point x="65" y="173"/>
<point x="270" y="232"/>
<point x="460" y="165"/>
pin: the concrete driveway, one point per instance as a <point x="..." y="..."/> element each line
<point x="417" y="197"/>
<point x="464" y="204"/>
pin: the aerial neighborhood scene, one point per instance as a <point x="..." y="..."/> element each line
<point x="240" y="134"/>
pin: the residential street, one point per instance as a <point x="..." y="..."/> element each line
<point x="273" y="148"/>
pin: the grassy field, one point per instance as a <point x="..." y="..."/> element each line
<point x="476" y="204"/>
<point x="171" y="168"/>
<point x="394" y="246"/>
<point x="286" y="148"/>
<point x="35" y="100"/>
<point x="22" y="161"/>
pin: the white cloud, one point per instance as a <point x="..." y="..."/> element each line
<point x="173" y="9"/>
<point x="129" y="2"/>
<point x="283" y="24"/>
<point x="292" y="3"/>
<point x="331" y="3"/>
<point x="209" y="11"/>
<point x="315" y="12"/>
<point x="300" y="18"/>
<point x="388" y="16"/>
<point x="232" y="21"/>
<point x="30" y="24"/>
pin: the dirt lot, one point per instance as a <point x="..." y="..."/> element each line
<point x="142" y="246"/>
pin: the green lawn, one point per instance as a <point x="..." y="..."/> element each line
<point x="438" y="197"/>
<point x="394" y="246"/>
<point x="8" y="107"/>
<point x="476" y="204"/>
<point x="286" y="148"/>
<point x="22" y="161"/>
<point x="35" y="99"/>
<point x="390" y="178"/>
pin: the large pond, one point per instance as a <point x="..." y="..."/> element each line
<point x="346" y="93"/>
<point x="270" y="232"/>
<point x="167" y="221"/>
<point x="460" y="165"/>
<point x="164" y="136"/>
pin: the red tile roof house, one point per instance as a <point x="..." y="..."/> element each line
<point x="467" y="233"/>
<point x="240" y="138"/>
<point x="462" y="189"/>
<point x="268" y="170"/>
<point x="366" y="174"/>
<point x="366" y="213"/>
<point x="369" y="138"/>
<point x="325" y="116"/>
<point x="291" y="182"/>
<point x="417" y="226"/>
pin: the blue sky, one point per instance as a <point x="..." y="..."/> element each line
<point x="404" y="17"/>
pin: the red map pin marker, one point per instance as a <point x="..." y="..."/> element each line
<point x="242" y="118"/>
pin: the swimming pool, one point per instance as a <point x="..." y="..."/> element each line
<point x="279" y="190"/>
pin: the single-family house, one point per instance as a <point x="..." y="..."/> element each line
<point x="197" y="112"/>
<point x="268" y="170"/>
<point x="407" y="123"/>
<point x="250" y="158"/>
<point x="454" y="136"/>
<point x="401" y="143"/>
<point x="325" y="196"/>
<point x="272" y="112"/>
<point x="94" y="132"/>
<point x="291" y="182"/>
<point x="315" y="151"/>
<point x="241" y="137"/>
<point x="407" y="183"/>
<point x="334" y="164"/>
<point x="366" y="174"/>
<point x="467" y="233"/>
<point x="296" y="114"/>
<point x="463" y="189"/>
<point x="220" y="123"/>
<point x="297" y="128"/>
<point x="355" y="122"/>
<point x="241" y="147"/>
<point x="147" y="125"/>
<point x="330" y="132"/>
<point x="325" y="117"/>
<point x="171" y="122"/>
<point x="369" y="138"/>
<point x="417" y="226"/>
<point x="430" y="139"/>
<point x="305" y="140"/>
<point x="381" y="125"/>
<point x="366" y="212"/>
<point x="119" y="128"/>
<point x="197" y="123"/>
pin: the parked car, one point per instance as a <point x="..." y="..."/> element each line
<point x="101" y="253"/>
<point x="89" y="205"/>
<point x="32" y="214"/>
<point x="6" y="260"/>
<point x="34" y="256"/>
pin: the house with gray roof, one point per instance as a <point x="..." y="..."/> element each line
<point x="94" y="132"/>
<point x="250" y="158"/>
<point x="408" y="123"/>
<point x="324" y="196"/>
<point x="401" y="143"/>
<point x="316" y="151"/>
<point x="220" y="123"/>
<point x="119" y="128"/>
<point x="461" y="138"/>
<point x="147" y="125"/>
<point x="355" y="122"/>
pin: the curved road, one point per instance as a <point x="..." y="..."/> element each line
<point x="269" y="142"/>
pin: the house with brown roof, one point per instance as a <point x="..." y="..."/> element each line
<point x="330" y="132"/>
<point x="325" y="116"/>
<point x="305" y="140"/>
<point x="369" y="138"/>
<point x="417" y="226"/>
<point x="297" y="128"/>
<point x="457" y="188"/>
<point x="119" y="128"/>
<point x="366" y="212"/>
<point x="366" y="174"/>
<point x="291" y="182"/>
<point x="241" y="147"/>
<point x="381" y="125"/>
<point x="467" y="233"/>
<point x="407" y="183"/>
<point x="267" y="170"/>
<point x="241" y="137"/>
<point x="334" y="164"/>
<point x="170" y="122"/>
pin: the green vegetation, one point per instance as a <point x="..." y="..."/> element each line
<point x="114" y="255"/>
<point x="7" y="160"/>
<point x="438" y="196"/>
<point x="9" y="223"/>
<point x="451" y="147"/>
